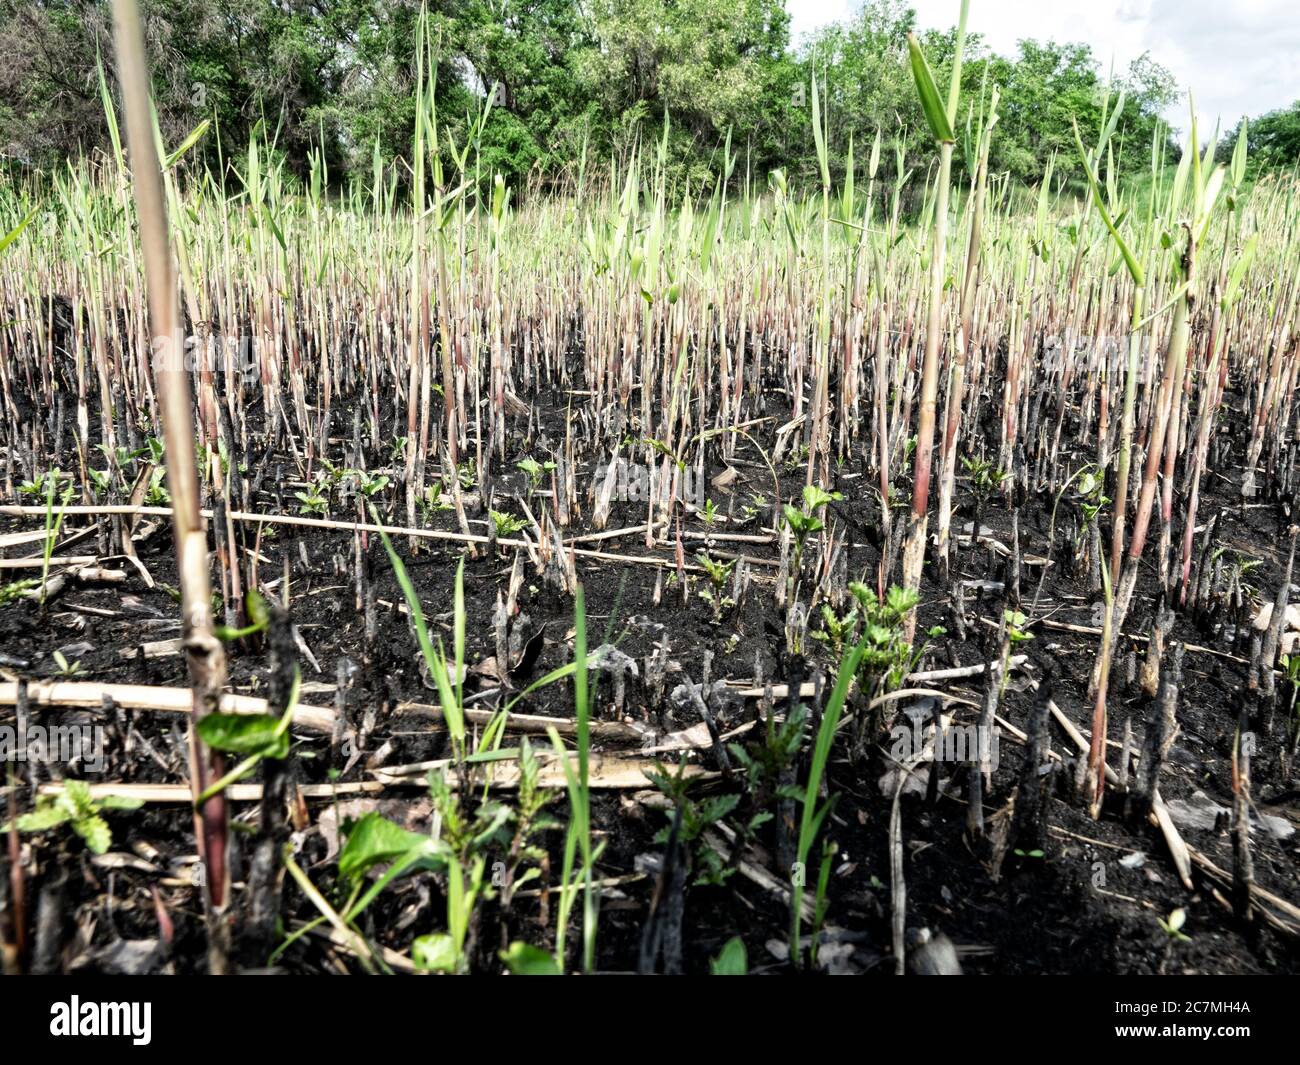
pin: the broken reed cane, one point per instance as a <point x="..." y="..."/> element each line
<point x="204" y="653"/>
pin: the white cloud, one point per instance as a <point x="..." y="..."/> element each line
<point x="1238" y="57"/>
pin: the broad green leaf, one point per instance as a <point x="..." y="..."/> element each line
<point x="1239" y="155"/>
<point x="189" y="142"/>
<point x="244" y="734"/>
<point x="931" y="104"/>
<point x="373" y="841"/>
<point x="119" y="802"/>
<point x="41" y="819"/>
<point x="424" y="856"/>
<point x="498" y="197"/>
<point x="94" y="830"/>
<point x="523" y="959"/>
<point x="275" y="228"/>
<point x="436" y="953"/>
<point x="1238" y="271"/>
<point x="75" y="797"/>
<point x="815" y="497"/>
<point x="819" y="136"/>
<point x="1113" y="123"/>
<point x="17" y="230"/>
<point x="1213" y="186"/>
<point x="1134" y="269"/>
<point x="258" y="614"/>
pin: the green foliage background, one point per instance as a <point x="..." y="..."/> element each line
<point x="580" y="82"/>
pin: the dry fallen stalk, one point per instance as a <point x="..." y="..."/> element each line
<point x="91" y="695"/>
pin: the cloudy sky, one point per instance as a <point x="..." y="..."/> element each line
<point x="1238" y="56"/>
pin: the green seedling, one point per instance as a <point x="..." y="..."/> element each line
<point x="507" y="524"/>
<point x="314" y="499"/>
<point x="837" y="631"/>
<point x="73" y="805"/>
<point x="731" y="960"/>
<point x="803" y="524"/>
<point x="435" y="499"/>
<point x="65" y="668"/>
<point x="697" y="816"/>
<point x="985" y="477"/>
<point x="535" y="470"/>
<point x="53" y="521"/>
<point x="1172" y="927"/>
<point x="718" y="573"/>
